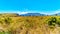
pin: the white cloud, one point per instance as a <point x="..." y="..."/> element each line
<point x="18" y="12"/>
<point x="32" y="11"/>
<point x="22" y="12"/>
<point x="54" y="12"/>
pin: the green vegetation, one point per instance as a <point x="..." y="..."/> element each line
<point x="8" y="20"/>
<point x="5" y="32"/>
<point x="53" y="21"/>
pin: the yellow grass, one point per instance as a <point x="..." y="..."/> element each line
<point x="29" y="25"/>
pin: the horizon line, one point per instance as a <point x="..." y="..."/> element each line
<point x="31" y="11"/>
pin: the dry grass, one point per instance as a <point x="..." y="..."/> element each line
<point x="28" y="25"/>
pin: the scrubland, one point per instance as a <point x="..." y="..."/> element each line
<point x="29" y="24"/>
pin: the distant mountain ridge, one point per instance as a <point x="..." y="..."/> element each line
<point x="57" y="14"/>
<point x="27" y="14"/>
<point x="33" y="14"/>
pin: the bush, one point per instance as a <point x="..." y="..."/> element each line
<point x="58" y="22"/>
<point x="5" y="32"/>
<point x="8" y="20"/>
<point x="52" y="22"/>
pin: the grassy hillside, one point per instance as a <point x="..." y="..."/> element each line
<point x="9" y="14"/>
<point x="29" y="24"/>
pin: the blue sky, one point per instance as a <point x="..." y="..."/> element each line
<point x="21" y="6"/>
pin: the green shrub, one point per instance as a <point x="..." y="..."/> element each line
<point x="8" y="20"/>
<point x="5" y="32"/>
<point x="52" y="22"/>
<point x="58" y="22"/>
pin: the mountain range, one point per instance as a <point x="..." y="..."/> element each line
<point x="57" y="14"/>
<point x="28" y="14"/>
<point x="33" y="14"/>
<point x="39" y="14"/>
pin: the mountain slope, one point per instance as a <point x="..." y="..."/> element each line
<point x="33" y="14"/>
<point x="57" y="14"/>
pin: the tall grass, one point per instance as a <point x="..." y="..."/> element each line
<point x="29" y="25"/>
